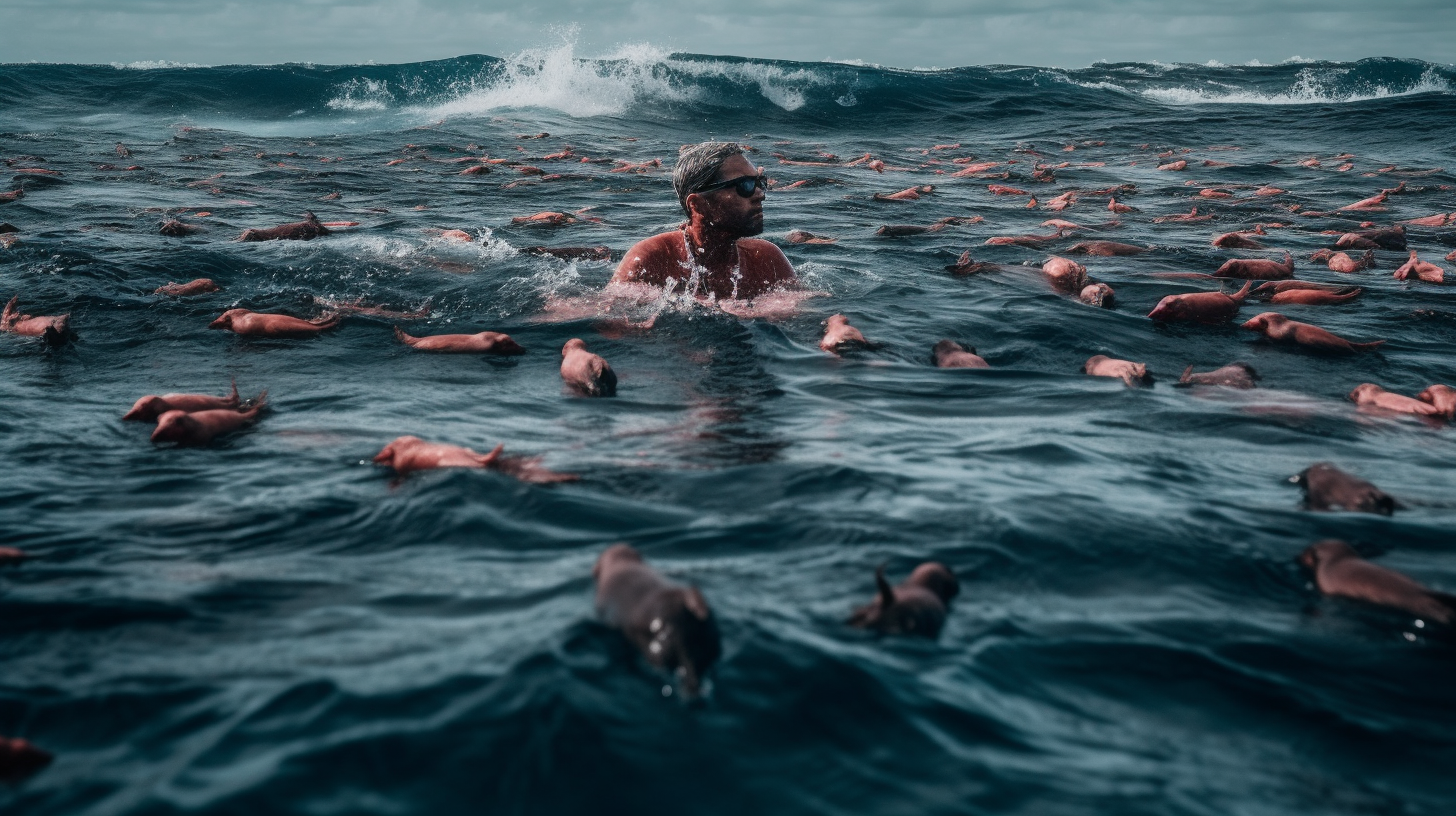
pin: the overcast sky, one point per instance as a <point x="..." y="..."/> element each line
<point x="903" y="33"/>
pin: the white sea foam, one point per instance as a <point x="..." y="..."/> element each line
<point x="555" y="78"/>
<point x="361" y="94"/>
<point x="492" y="248"/>
<point x="1311" y="87"/>
<point x="154" y="65"/>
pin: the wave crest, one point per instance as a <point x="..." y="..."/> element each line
<point x="556" y="79"/>
<point x="1312" y="86"/>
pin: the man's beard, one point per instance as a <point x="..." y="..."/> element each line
<point x="752" y="225"/>
<point x="747" y="227"/>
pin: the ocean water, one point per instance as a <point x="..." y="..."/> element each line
<point x="271" y="624"/>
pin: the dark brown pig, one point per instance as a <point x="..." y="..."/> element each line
<point x="670" y="624"/>
<point x="1326" y="487"/>
<point x="916" y="607"/>
<point x="306" y="230"/>
<point x="1340" y="571"/>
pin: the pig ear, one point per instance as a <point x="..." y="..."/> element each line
<point x="697" y="604"/>
<point x="887" y="595"/>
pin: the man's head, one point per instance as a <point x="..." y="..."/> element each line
<point x="707" y="165"/>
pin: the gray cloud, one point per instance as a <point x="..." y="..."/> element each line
<point x="906" y="33"/>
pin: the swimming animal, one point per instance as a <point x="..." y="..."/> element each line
<point x="916" y="607"/>
<point x="1281" y="329"/>
<point x="1326" y="487"/>
<point x="670" y="624"/>
<point x="201" y="427"/>
<point x="1233" y="375"/>
<point x="1257" y="268"/>
<point x="1133" y="374"/>
<point x="261" y="324"/>
<point x="1200" y="307"/>
<point x="1340" y="571"/>
<point x="585" y="372"/>
<point x="950" y="354"/>
<point x="148" y="408"/>
<point x="306" y="230"/>
<point x="839" y="335"/>
<point x="52" y="328"/>
<point x="1372" y="398"/>
<point x="199" y="286"/>
<point x="486" y="342"/>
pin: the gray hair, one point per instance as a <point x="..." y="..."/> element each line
<point x="698" y="164"/>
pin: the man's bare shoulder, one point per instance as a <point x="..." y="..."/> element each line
<point x="760" y="247"/>
<point x="663" y="242"/>
<point x="767" y="259"/>
<point x="651" y="258"/>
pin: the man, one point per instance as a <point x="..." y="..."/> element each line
<point x="722" y="193"/>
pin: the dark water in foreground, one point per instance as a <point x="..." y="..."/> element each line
<point x="271" y="625"/>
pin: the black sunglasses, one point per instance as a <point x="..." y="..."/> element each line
<point x="743" y="185"/>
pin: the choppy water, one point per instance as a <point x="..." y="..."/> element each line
<point x="272" y="625"/>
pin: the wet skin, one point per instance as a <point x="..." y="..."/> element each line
<point x="1200" y="307"/>
<point x="840" y="335"/>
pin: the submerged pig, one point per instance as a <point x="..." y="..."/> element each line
<point x="950" y="354"/>
<point x="52" y="328"/>
<point x="306" y="230"/>
<point x="148" y="408"/>
<point x="1257" y="268"/>
<point x="916" y="607"/>
<point x="201" y="427"/>
<point x="1200" y="307"/>
<point x="1281" y="329"/>
<point x="1326" y="487"/>
<point x="1233" y="375"/>
<point x="839" y="335"/>
<point x="1132" y="374"/>
<point x="669" y="623"/>
<point x="19" y="759"/>
<point x="1340" y="571"/>
<point x="585" y="372"/>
